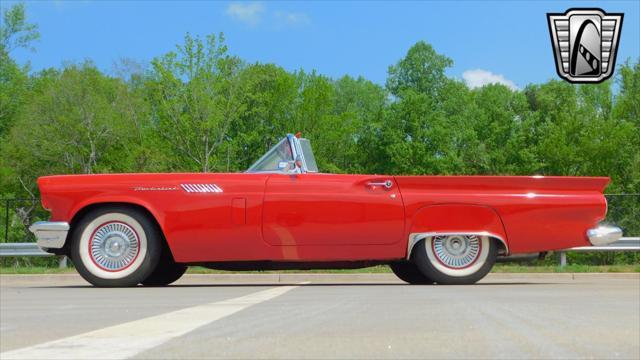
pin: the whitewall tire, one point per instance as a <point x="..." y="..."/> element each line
<point x="115" y="246"/>
<point x="455" y="258"/>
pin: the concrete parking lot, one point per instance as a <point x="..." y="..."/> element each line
<point x="323" y="316"/>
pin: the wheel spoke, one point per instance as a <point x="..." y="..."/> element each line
<point x="456" y="251"/>
<point x="114" y="246"/>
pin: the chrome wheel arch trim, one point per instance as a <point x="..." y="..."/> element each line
<point x="414" y="238"/>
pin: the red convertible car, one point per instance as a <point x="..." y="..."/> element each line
<point x="130" y="229"/>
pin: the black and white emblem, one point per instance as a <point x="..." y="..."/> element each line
<point x="585" y="43"/>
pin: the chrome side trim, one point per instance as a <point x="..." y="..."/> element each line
<point x="155" y="188"/>
<point x="415" y="237"/>
<point x="604" y="235"/>
<point x="50" y="234"/>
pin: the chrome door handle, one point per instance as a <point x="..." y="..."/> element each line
<point x="387" y="184"/>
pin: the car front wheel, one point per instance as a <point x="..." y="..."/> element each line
<point x="455" y="259"/>
<point x="115" y="246"/>
<point x="409" y="273"/>
<point x="167" y="271"/>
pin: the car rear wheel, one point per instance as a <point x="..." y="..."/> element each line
<point x="455" y="259"/>
<point x="409" y="273"/>
<point x="167" y="271"/>
<point x="115" y="246"/>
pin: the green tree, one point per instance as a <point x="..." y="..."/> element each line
<point x="503" y="122"/>
<point x="73" y="123"/>
<point x="426" y="129"/>
<point x="359" y="115"/>
<point x="15" y="31"/>
<point x="270" y="95"/>
<point x="13" y="88"/>
<point x="421" y="70"/>
<point x="196" y="96"/>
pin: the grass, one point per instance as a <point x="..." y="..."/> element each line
<point x="498" y="268"/>
<point x="511" y="268"/>
<point x="34" y="270"/>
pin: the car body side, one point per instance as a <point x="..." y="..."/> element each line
<point x="317" y="217"/>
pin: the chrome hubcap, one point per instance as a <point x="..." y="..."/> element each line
<point x="456" y="251"/>
<point x="114" y="246"/>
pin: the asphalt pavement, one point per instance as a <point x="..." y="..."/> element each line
<point x="298" y="316"/>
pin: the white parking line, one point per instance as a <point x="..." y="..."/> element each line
<point x="126" y="340"/>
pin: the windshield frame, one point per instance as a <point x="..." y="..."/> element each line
<point x="296" y="151"/>
<point x="254" y="168"/>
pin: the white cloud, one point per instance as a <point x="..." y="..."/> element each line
<point x="291" y="18"/>
<point x="478" y="78"/>
<point x="249" y="13"/>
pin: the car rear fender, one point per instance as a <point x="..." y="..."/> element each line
<point x="445" y="219"/>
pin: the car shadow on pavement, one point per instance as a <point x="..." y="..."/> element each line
<point x="337" y="284"/>
<point x="363" y="284"/>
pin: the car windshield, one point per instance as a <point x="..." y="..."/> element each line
<point x="309" y="159"/>
<point x="271" y="160"/>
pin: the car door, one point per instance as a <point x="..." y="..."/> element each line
<point x="332" y="209"/>
<point x="213" y="217"/>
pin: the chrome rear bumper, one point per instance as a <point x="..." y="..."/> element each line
<point x="604" y="235"/>
<point x="50" y="234"/>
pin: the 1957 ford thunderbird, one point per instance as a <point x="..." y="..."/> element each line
<point x="130" y="229"/>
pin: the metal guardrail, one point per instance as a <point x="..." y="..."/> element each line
<point x="28" y="249"/>
<point x="21" y="249"/>
<point x="624" y="244"/>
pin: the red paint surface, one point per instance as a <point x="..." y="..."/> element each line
<point x="324" y="217"/>
<point x="239" y="211"/>
<point x="327" y="209"/>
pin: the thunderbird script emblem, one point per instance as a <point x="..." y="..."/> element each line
<point x="585" y="42"/>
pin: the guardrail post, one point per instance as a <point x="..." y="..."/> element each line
<point x="563" y="259"/>
<point x="62" y="264"/>
<point x="6" y="221"/>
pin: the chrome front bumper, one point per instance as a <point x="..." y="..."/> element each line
<point x="50" y="234"/>
<point x="604" y="235"/>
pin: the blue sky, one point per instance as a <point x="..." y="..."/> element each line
<point x="490" y="41"/>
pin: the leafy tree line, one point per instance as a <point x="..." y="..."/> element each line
<point x="200" y="108"/>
